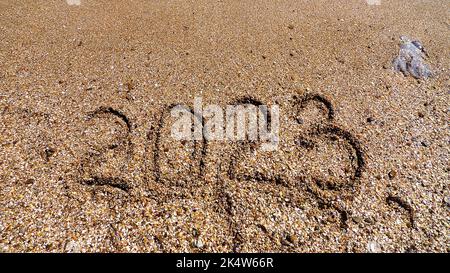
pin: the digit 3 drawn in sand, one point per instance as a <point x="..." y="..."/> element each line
<point x="326" y="133"/>
<point x="307" y="142"/>
<point x="177" y="162"/>
<point x="315" y="158"/>
<point x="108" y="149"/>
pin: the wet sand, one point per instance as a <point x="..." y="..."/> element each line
<point x="87" y="162"/>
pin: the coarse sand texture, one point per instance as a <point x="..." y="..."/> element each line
<point x="88" y="162"/>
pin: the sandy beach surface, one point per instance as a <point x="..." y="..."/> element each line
<point x="87" y="162"/>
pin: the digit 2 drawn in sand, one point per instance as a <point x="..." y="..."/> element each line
<point x="315" y="142"/>
<point x="109" y="149"/>
<point x="309" y="138"/>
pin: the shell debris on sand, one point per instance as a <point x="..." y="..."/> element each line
<point x="410" y="60"/>
<point x="74" y="2"/>
<point x="88" y="164"/>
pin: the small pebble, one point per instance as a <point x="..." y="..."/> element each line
<point x="392" y="174"/>
<point x="425" y="143"/>
<point x="49" y="152"/>
<point x="292" y="238"/>
<point x="447" y="201"/>
<point x="373" y="247"/>
<point x="29" y="181"/>
<point x="198" y="243"/>
<point x="195" y="232"/>
<point x="72" y="247"/>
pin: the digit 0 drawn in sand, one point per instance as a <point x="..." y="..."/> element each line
<point x="177" y="163"/>
<point x="108" y="149"/>
<point x="175" y="170"/>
